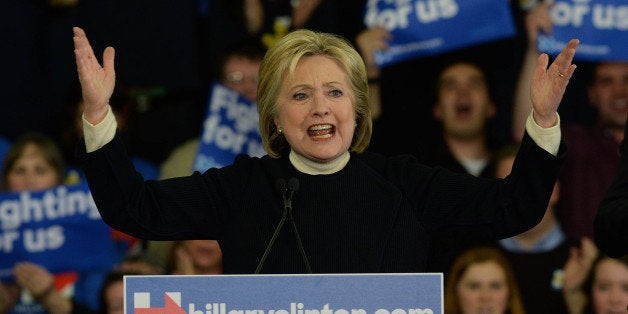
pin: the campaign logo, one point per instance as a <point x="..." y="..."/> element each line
<point x="172" y="304"/>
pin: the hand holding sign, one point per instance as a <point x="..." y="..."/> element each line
<point x="369" y="42"/>
<point x="601" y="26"/>
<point x="421" y="28"/>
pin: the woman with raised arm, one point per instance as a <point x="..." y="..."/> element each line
<point x="318" y="202"/>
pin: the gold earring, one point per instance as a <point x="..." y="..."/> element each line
<point x="279" y="130"/>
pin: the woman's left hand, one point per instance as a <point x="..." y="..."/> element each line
<point x="549" y="84"/>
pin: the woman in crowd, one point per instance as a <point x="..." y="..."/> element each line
<point x="34" y="162"/>
<point x="600" y="286"/>
<point x="608" y="287"/>
<point x="354" y="211"/>
<point x="195" y="257"/>
<point x="112" y="293"/>
<point x="481" y="280"/>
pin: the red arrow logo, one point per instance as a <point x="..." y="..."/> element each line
<point x="171" y="307"/>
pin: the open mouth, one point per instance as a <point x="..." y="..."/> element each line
<point x="463" y="109"/>
<point x="321" y="131"/>
<point x="620" y="104"/>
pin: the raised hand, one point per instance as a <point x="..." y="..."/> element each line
<point x="97" y="82"/>
<point x="538" y="20"/>
<point x="549" y="83"/>
<point x="579" y="264"/>
<point x="575" y="271"/>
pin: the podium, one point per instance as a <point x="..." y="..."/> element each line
<point x="285" y="294"/>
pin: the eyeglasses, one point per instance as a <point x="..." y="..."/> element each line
<point x="238" y="77"/>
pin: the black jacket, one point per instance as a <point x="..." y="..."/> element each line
<point x="375" y="215"/>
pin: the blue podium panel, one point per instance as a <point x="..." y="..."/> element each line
<point x="285" y="294"/>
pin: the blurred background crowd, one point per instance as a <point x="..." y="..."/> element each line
<point x="463" y="110"/>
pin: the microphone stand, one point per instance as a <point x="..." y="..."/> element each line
<point x="287" y="192"/>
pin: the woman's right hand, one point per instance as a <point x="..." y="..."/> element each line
<point x="97" y="82"/>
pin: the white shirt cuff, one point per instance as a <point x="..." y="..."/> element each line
<point x="98" y="135"/>
<point x="546" y="138"/>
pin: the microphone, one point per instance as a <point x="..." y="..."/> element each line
<point x="293" y="186"/>
<point x="287" y="190"/>
<point x="281" y="186"/>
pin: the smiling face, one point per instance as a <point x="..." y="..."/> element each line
<point x="609" y="93"/>
<point x="315" y="109"/>
<point x="610" y="287"/>
<point x="464" y="105"/>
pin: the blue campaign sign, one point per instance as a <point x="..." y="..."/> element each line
<point x="600" y="25"/>
<point x="59" y="229"/>
<point x="429" y="27"/>
<point x="231" y="127"/>
<point x="285" y="294"/>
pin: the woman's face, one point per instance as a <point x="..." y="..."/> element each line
<point x="31" y="171"/>
<point x="483" y="289"/>
<point x="315" y="109"/>
<point x="206" y="254"/>
<point x="610" y="287"/>
<point x="114" y="296"/>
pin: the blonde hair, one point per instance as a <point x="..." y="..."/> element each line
<point x="474" y="256"/>
<point x="280" y="62"/>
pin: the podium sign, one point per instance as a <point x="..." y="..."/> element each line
<point x="285" y="294"/>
